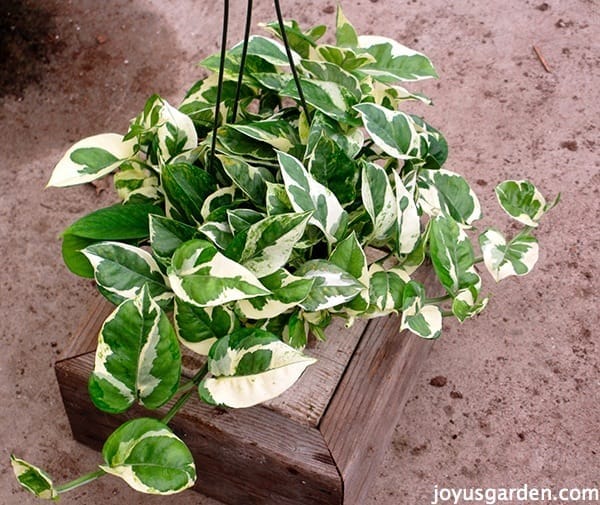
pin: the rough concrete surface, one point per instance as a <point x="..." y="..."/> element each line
<point x="515" y="397"/>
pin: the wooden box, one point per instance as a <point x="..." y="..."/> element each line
<point x="320" y="443"/>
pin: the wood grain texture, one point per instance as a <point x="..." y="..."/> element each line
<point x="360" y="421"/>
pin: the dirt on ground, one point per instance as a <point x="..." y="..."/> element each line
<point x="508" y="399"/>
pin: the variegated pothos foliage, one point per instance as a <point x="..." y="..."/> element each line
<point x="302" y="215"/>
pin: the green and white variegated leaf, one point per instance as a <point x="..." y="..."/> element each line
<point x="276" y="132"/>
<point x="467" y="304"/>
<point x="348" y="59"/>
<point x="379" y="200"/>
<point x="204" y="277"/>
<point x="393" y="96"/>
<point x="393" y="61"/>
<point x="249" y="367"/>
<point x="417" y="317"/>
<point x="287" y="292"/>
<point x="137" y="358"/>
<point x="133" y="180"/>
<point x="333" y="285"/>
<point x="330" y="98"/>
<point x="408" y="222"/>
<point x="452" y="255"/>
<point x="241" y="219"/>
<point x="350" y="141"/>
<point x="91" y="158"/>
<point x="522" y="201"/>
<point x="278" y="201"/>
<point x="186" y="187"/>
<point x="149" y="457"/>
<point x="299" y="40"/>
<point x="198" y="328"/>
<point x="250" y="179"/>
<point x="34" y="479"/>
<point x="325" y="71"/>
<point x="121" y="270"/>
<point x="175" y="130"/>
<point x="306" y="194"/>
<point x="503" y="258"/>
<point x="269" y="243"/>
<point x="331" y="166"/>
<point x="218" y="232"/>
<point x="395" y="132"/>
<point x="442" y="192"/>
<point x="222" y="197"/>
<point x="236" y="144"/>
<point x="166" y="235"/>
<point x="386" y="289"/>
<point x="350" y="256"/>
<point x="267" y="49"/>
<point x="345" y="34"/>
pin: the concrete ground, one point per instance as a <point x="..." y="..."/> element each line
<point x="515" y="397"/>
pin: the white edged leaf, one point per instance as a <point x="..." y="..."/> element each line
<point x="149" y="457"/>
<point x="503" y="259"/>
<point x="446" y="193"/>
<point x="379" y="200"/>
<point x="198" y="328"/>
<point x="306" y="194"/>
<point x="279" y="133"/>
<point x="252" y="180"/>
<point x="332" y="285"/>
<point x="393" y="61"/>
<point x="220" y="198"/>
<point x="270" y="241"/>
<point x="249" y="367"/>
<point x="121" y="270"/>
<point x="34" y="479"/>
<point x="395" y="132"/>
<point x="522" y="201"/>
<point x="268" y="49"/>
<point x="202" y="276"/>
<point x="467" y="304"/>
<point x="386" y="290"/>
<point x="91" y="158"/>
<point x="287" y="292"/>
<point x="417" y="317"/>
<point x="408" y="222"/>
<point x="218" y="232"/>
<point x="175" y="131"/>
<point x="137" y="358"/>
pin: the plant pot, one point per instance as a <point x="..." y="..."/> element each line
<point x="319" y="443"/>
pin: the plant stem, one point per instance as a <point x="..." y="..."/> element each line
<point x="238" y="89"/>
<point x="80" y="481"/>
<point x="478" y="259"/>
<point x="213" y="143"/>
<point x="181" y="401"/>
<point x="438" y="299"/>
<point x="447" y="313"/>
<point x="288" y="51"/>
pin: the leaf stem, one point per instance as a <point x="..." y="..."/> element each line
<point x="80" y="481"/>
<point x="189" y="388"/>
<point x="438" y="299"/>
<point x="478" y="259"/>
<point x="447" y="313"/>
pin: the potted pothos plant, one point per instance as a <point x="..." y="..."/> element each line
<point x="274" y="198"/>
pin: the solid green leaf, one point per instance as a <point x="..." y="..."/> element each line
<point x="137" y="358"/>
<point x="149" y="457"/>
<point x="166" y="235"/>
<point x="117" y="222"/>
<point x="76" y="262"/>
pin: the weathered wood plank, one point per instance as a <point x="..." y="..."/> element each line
<point x="359" y="423"/>
<point x="264" y="457"/>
